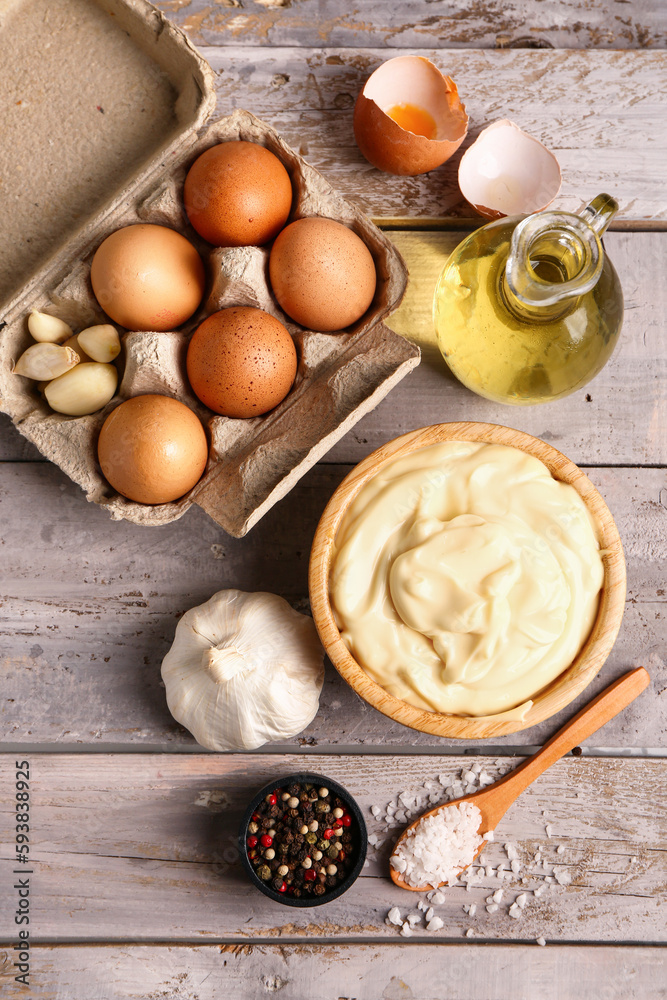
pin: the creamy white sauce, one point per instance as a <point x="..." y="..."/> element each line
<point x="465" y="578"/>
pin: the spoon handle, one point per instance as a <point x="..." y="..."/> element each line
<point x="608" y="703"/>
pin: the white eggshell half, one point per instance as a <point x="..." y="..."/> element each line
<point x="508" y="172"/>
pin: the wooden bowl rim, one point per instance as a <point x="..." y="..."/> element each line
<point x="569" y="684"/>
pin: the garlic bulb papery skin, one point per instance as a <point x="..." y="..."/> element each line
<point x="244" y="669"/>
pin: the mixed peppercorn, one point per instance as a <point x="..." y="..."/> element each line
<point x="302" y="840"/>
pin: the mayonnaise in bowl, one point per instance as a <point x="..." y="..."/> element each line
<point x="465" y="578"/>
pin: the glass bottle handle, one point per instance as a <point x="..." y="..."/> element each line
<point x="599" y="212"/>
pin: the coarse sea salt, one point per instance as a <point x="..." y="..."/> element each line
<point x="436" y="849"/>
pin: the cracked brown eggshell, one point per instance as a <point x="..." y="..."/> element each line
<point x="506" y="171"/>
<point x="415" y="81"/>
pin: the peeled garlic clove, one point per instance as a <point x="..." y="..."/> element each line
<point x="101" y="342"/>
<point x="73" y="342"/>
<point x="84" y="389"/>
<point x="46" y="361"/>
<point x="508" y="172"/>
<point x="47" y="329"/>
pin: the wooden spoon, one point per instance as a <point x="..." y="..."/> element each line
<point x="494" y="801"/>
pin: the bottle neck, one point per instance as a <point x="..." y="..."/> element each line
<point x="549" y="270"/>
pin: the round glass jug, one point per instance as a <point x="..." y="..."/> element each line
<point x="528" y="310"/>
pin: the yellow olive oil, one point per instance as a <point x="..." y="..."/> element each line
<point x="512" y="352"/>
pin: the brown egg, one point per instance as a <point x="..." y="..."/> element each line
<point x="147" y="277"/>
<point x="238" y="194"/>
<point x="322" y="274"/>
<point x="152" y="449"/>
<point x="241" y="362"/>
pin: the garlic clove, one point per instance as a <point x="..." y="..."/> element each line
<point x="84" y="389"/>
<point x="46" y="361"/>
<point x="73" y="342"/>
<point x="101" y="342"/>
<point x="47" y="329"/>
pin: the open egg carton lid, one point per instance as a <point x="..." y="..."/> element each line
<point x="103" y="107"/>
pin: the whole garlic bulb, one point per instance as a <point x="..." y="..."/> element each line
<point x="243" y="669"/>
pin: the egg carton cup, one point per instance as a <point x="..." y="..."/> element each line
<point x="253" y="462"/>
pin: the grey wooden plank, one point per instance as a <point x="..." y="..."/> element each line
<point x="571" y="24"/>
<point x="365" y="972"/>
<point x="89" y="607"/>
<point x="143" y="848"/>
<point x="619" y="419"/>
<point x="599" y="112"/>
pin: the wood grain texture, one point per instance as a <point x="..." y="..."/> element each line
<point x="571" y="682"/>
<point x="571" y="24"/>
<point x="363" y="972"/>
<point x="597" y="111"/>
<point x="620" y="418"/>
<point x="143" y="848"/>
<point x="89" y="608"/>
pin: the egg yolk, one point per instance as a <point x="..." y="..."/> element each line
<point x="414" y="119"/>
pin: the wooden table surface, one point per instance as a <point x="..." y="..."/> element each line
<point x="137" y="890"/>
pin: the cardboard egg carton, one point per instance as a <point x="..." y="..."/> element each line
<point x="340" y="377"/>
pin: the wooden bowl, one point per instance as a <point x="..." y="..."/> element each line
<point x="567" y="685"/>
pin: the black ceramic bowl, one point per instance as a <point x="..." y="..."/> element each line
<point x="361" y="848"/>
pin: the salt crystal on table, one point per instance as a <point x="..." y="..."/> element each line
<point x="541" y="941"/>
<point x="413" y="918"/>
<point x="400" y="816"/>
<point x="511" y="852"/>
<point x="515" y="866"/>
<point x="437" y="897"/>
<point x="376" y="811"/>
<point x="435" y="924"/>
<point x="492" y="908"/>
<point x="521" y="900"/>
<point x="515" y="912"/>
<point x="372" y="840"/>
<point x="541" y="889"/>
<point x="469" y="932"/>
<point x="429" y="914"/>
<point x="497" y="896"/>
<point x="562" y="877"/>
<point x="473" y="909"/>
<point x="548" y="829"/>
<point x="561" y="850"/>
<point x="548" y="879"/>
<point x="406" y="930"/>
<point x="488" y="871"/>
<point x="394" y="916"/>
<point x="421" y="905"/>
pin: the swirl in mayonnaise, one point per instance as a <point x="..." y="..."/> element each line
<point x="465" y="578"/>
